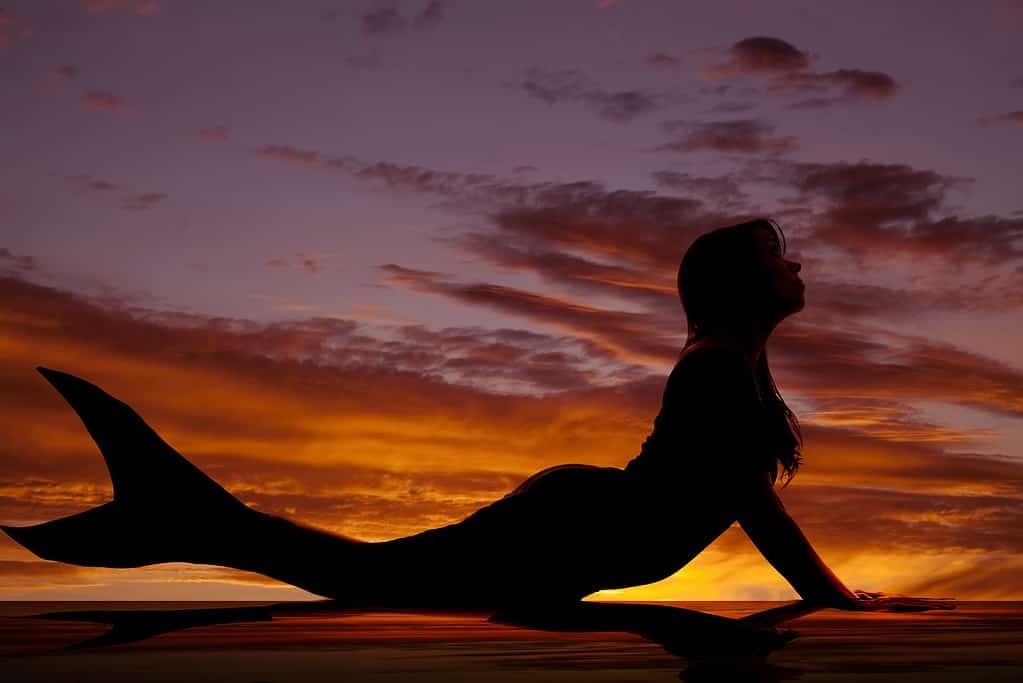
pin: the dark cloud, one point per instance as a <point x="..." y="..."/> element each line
<point x="788" y="70"/>
<point x="103" y="101"/>
<point x="896" y="209"/>
<point x="743" y="136"/>
<point x="761" y="55"/>
<point x="662" y="60"/>
<point x="572" y="85"/>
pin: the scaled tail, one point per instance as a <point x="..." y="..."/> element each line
<point x="164" y="509"/>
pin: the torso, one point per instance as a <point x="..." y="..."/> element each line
<point x="711" y="404"/>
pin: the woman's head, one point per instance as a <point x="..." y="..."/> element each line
<point x="732" y="281"/>
<point x="734" y="278"/>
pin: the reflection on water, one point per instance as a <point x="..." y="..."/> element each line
<point x="302" y="642"/>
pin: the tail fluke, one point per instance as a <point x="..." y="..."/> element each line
<point x="142" y="466"/>
<point x="105" y="536"/>
<point x="164" y="509"/>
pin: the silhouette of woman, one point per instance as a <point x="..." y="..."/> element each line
<point x="712" y="459"/>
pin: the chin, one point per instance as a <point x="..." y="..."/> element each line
<point x="796" y="306"/>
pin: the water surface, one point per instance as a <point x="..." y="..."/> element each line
<point x="979" y="641"/>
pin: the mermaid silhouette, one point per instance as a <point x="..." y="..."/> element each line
<point x="713" y="458"/>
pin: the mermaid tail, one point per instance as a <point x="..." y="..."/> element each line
<point x="164" y="508"/>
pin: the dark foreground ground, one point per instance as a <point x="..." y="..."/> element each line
<point x="979" y="641"/>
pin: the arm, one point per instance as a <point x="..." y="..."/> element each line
<point x="773" y="531"/>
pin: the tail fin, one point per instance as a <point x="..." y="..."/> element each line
<point x="158" y="495"/>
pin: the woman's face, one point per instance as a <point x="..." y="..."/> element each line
<point x="781" y="280"/>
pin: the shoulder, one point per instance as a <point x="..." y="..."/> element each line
<point x="702" y="359"/>
<point x="710" y="375"/>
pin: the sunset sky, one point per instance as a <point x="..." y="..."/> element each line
<point x="370" y="264"/>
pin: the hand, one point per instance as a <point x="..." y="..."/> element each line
<point x="867" y="601"/>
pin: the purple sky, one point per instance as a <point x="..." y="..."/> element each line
<point x="451" y="164"/>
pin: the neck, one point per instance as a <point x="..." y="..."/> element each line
<point x="749" y="340"/>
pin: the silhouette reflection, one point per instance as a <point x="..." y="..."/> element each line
<point x="713" y="645"/>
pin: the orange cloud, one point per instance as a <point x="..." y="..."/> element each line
<point x="383" y="436"/>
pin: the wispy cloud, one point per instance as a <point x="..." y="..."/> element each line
<point x="88" y="182"/>
<point x="662" y="60"/>
<point x="141" y="201"/>
<point x="853" y="85"/>
<point x="382" y="21"/>
<point x="572" y="85"/>
<point x="389" y="20"/>
<point x="130" y="199"/>
<point x="215" y="133"/>
<point x="1010" y="117"/>
<point x="10" y="260"/>
<point x="741" y="136"/>
<point x="67" y="71"/>
<point x="143" y="8"/>
<point x="99" y="100"/>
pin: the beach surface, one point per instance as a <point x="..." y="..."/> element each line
<point x="73" y="642"/>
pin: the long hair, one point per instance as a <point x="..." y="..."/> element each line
<point x="720" y="285"/>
